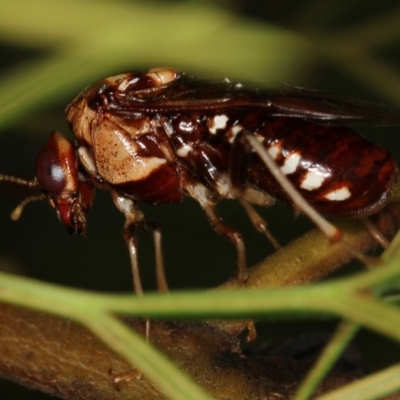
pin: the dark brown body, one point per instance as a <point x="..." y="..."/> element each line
<point x="162" y="136"/>
<point x="156" y="137"/>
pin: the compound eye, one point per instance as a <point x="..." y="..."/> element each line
<point x="49" y="172"/>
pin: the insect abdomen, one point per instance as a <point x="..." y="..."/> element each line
<point x="338" y="171"/>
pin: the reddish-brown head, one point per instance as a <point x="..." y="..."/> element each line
<point x="69" y="191"/>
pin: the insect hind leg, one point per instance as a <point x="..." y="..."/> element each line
<point x="374" y="232"/>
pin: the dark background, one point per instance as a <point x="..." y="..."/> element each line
<point x="195" y="256"/>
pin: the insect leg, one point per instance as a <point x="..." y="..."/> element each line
<point x="133" y="218"/>
<point x="375" y="233"/>
<point x="204" y="197"/>
<point x="238" y="160"/>
<point x="162" y="284"/>
<point x="259" y="223"/>
<point x="231" y="234"/>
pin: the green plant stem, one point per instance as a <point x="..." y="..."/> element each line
<point x="171" y="381"/>
<point x="343" y="335"/>
<point x="347" y="297"/>
<point x="375" y="386"/>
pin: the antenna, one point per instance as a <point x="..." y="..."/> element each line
<point x="20" y="207"/>
<point x="24" y="182"/>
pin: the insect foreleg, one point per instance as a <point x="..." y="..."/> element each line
<point x="134" y="218"/>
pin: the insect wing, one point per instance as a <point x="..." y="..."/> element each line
<point x="188" y="93"/>
<point x="331" y="108"/>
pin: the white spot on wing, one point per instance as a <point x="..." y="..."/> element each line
<point x="291" y="163"/>
<point x="218" y="122"/>
<point x="339" y="194"/>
